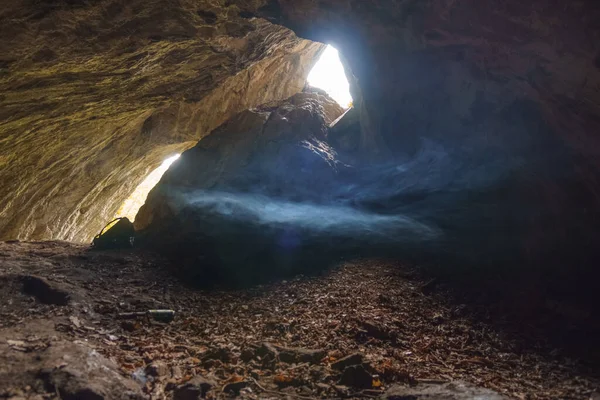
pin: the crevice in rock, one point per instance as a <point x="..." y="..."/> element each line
<point x="208" y="16"/>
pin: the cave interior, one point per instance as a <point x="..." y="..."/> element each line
<point x="440" y="187"/>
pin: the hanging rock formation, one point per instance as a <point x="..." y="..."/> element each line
<point x="94" y="95"/>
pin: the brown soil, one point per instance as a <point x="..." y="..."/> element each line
<point x="255" y="342"/>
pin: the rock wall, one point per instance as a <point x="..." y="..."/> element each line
<point x="477" y="118"/>
<point x="94" y="95"/>
<point x="509" y="88"/>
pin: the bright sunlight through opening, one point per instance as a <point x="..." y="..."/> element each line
<point x="328" y="74"/>
<point x="137" y="199"/>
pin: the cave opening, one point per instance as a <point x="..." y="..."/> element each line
<point x="132" y="204"/>
<point x="329" y="75"/>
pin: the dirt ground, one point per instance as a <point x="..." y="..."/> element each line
<point x="353" y="332"/>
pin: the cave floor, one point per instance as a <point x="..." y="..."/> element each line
<point x="255" y="342"/>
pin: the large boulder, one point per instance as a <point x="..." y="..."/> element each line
<point x="225" y="208"/>
<point x="274" y="149"/>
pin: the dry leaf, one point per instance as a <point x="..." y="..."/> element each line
<point x="234" y="379"/>
<point x="282" y="379"/>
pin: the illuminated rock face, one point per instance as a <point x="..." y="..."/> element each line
<point x="95" y="95"/>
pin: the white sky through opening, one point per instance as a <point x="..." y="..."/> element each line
<point x="328" y="74"/>
<point x="137" y="199"/>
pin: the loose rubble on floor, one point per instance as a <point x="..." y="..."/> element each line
<point x="363" y="329"/>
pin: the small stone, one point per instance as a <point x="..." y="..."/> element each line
<point x="194" y="389"/>
<point x="376" y="331"/>
<point x="235" y="387"/>
<point x="247" y="355"/>
<point x="352" y="359"/>
<point x="297" y="355"/>
<point x="75" y="321"/>
<point x="176" y="372"/>
<point x="129" y="326"/>
<point x="157" y="368"/>
<point x="267" y="349"/>
<point x="357" y="376"/>
<point x="219" y="353"/>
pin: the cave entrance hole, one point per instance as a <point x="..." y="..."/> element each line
<point x="132" y="204"/>
<point x="329" y="74"/>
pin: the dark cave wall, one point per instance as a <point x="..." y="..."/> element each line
<point x="438" y="59"/>
<point x="508" y="89"/>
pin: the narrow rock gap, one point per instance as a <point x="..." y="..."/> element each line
<point x="328" y="74"/>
